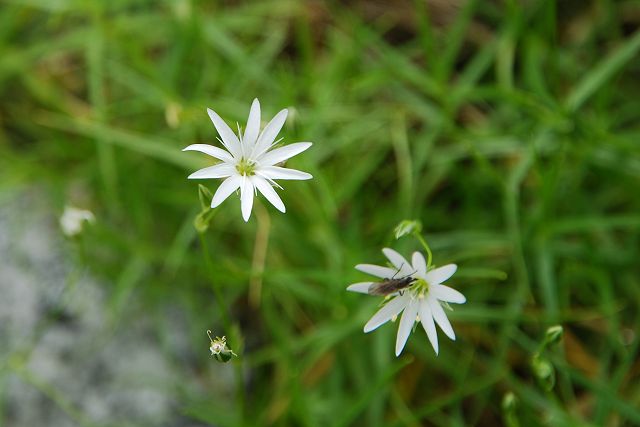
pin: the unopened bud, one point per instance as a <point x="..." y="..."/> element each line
<point x="509" y="405"/>
<point x="205" y="196"/>
<point x="553" y="335"/>
<point x="407" y="227"/>
<point x="544" y="372"/>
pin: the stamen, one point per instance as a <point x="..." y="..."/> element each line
<point x="246" y="167"/>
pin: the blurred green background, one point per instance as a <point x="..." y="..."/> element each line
<point x="509" y="128"/>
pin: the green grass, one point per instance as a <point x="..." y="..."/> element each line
<point x="511" y="132"/>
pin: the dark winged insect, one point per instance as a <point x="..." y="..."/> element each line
<point x="389" y="286"/>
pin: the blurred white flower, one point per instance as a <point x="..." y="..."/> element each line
<point x="420" y="302"/>
<point x="218" y="345"/>
<point x="73" y="219"/>
<point x="249" y="161"/>
<point x="219" y="349"/>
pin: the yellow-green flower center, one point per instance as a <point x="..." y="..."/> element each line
<point x="246" y="167"/>
<point x="420" y="288"/>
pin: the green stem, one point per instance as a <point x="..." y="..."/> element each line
<point x="216" y="288"/>
<point x="426" y="247"/>
<point x="226" y="322"/>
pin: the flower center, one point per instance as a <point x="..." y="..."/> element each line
<point x="246" y="167"/>
<point x="420" y="288"/>
<point x="216" y="347"/>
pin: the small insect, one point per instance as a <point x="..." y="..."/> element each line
<point x="389" y="286"/>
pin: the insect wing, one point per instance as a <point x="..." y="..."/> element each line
<point x="389" y="286"/>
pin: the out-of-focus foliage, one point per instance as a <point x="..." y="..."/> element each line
<point x="508" y="129"/>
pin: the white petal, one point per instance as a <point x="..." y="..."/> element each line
<point x="406" y="323"/>
<point x="222" y="170"/>
<point x="281" y="154"/>
<point x="419" y="264"/>
<point x="376" y="270"/>
<point x="276" y="172"/>
<point x="227" y="187"/>
<point x="229" y="139"/>
<point x="269" y="133"/>
<point x="402" y="265"/>
<point x="253" y="126"/>
<point x="441" y="318"/>
<point x="447" y="294"/>
<point x="268" y="192"/>
<point x="361" y="287"/>
<point x="440" y="274"/>
<point x="390" y="309"/>
<point x="395" y="258"/>
<point x="246" y="198"/>
<point x="426" y="319"/>
<point x="216" y="152"/>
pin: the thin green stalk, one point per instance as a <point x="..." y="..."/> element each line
<point x="226" y="322"/>
<point x="216" y="288"/>
<point x="426" y="248"/>
<point x="259" y="254"/>
<point x="96" y="81"/>
<point x="17" y="366"/>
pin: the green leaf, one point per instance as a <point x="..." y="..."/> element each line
<point x="597" y="77"/>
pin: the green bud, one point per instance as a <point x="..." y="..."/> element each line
<point x="202" y="220"/>
<point x="509" y="402"/>
<point x="553" y="335"/>
<point x="407" y="227"/>
<point x="205" y="196"/>
<point x="509" y="405"/>
<point x="544" y="372"/>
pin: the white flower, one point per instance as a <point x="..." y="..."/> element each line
<point x="219" y="349"/>
<point x="248" y="162"/>
<point x="73" y="219"/>
<point x="421" y="302"/>
<point x="218" y="346"/>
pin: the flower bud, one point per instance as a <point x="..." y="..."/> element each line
<point x="407" y="227"/>
<point x="544" y="372"/>
<point x="205" y="196"/>
<point x="202" y="220"/>
<point x="509" y="405"/>
<point x="553" y="334"/>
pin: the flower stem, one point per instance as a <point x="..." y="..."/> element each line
<point x="216" y="288"/>
<point x="226" y="323"/>
<point x="259" y="254"/>
<point x="426" y="247"/>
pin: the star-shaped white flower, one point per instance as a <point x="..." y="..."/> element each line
<point x="420" y="302"/>
<point x="249" y="161"/>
